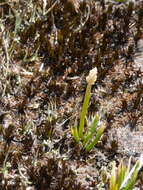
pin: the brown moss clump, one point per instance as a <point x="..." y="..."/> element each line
<point x="46" y="50"/>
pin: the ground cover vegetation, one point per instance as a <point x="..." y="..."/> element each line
<point x="47" y="49"/>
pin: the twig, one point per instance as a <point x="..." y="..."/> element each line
<point x="51" y="8"/>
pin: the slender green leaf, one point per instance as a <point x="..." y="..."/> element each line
<point x="74" y="132"/>
<point x="113" y="185"/>
<point x="121" y="173"/>
<point x="100" y="131"/>
<point x="129" y="166"/>
<point x="120" y="1"/>
<point x="130" y="179"/>
<point x="92" y="129"/>
<point x="131" y="182"/>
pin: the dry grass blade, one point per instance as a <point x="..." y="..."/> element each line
<point x="76" y="4"/>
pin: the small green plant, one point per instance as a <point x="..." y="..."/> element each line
<point x="122" y="178"/>
<point x="92" y="135"/>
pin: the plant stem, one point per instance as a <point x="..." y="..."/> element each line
<point x="84" y="110"/>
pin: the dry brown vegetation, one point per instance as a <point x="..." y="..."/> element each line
<point x="46" y="50"/>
